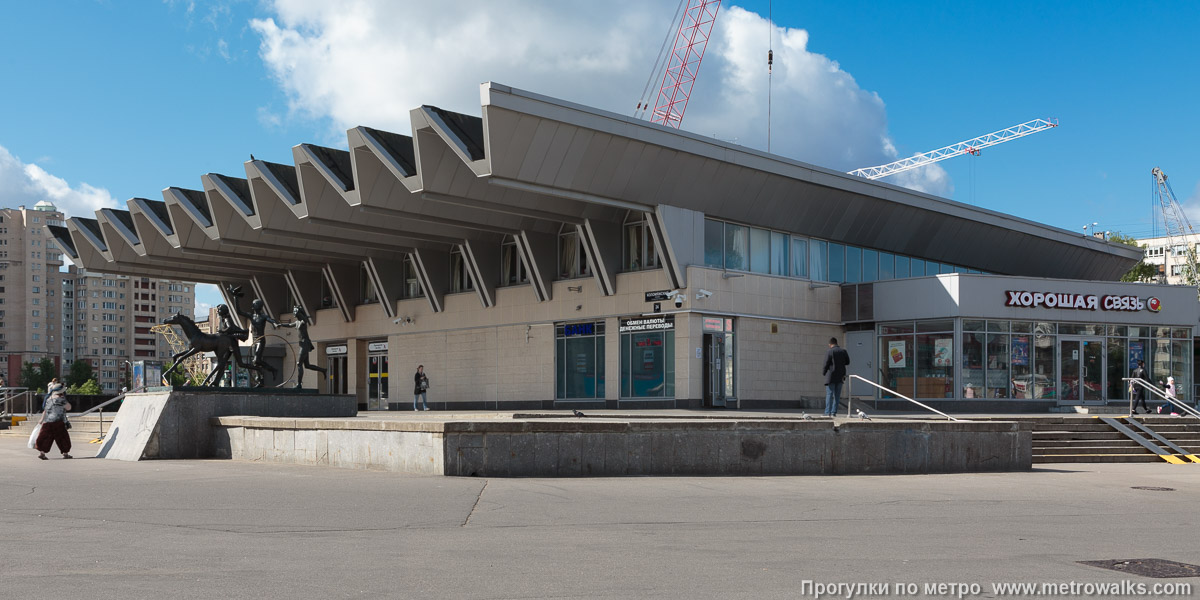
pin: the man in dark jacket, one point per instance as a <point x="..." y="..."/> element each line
<point x="1139" y="392"/>
<point x="836" y="360"/>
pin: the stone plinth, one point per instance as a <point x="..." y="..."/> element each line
<point x="176" y="423"/>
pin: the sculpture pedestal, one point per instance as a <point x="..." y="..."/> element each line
<point x="174" y="423"/>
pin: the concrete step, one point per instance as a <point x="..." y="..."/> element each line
<point x="1085" y="450"/>
<point x="1096" y="458"/>
<point x="1109" y="434"/>
<point x="1122" y="443"/>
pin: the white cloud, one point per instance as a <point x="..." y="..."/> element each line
<point x="27" y="184"/>
<point x="368" y="62"/>
<point x="207" y="296"/>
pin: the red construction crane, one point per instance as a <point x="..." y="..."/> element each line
<point x="684" y="63"/>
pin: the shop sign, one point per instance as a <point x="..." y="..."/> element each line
<point x="659" y="296"/>
<point x="1024" y="299"/>
<point x="335" y="350"/>
<point x="574" y="329"/>
<point x="647" y="324"/>
<point x="377" y="347"/>
<point x="714" y="324"/>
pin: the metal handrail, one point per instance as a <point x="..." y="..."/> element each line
<point x="850" y="396"/>
<point x="9" y="399"/>
<point x="1153" y="388"/>
<point x="100" y="407"/>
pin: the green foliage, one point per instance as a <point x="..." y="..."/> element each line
<point x="89" y="387"/>
<point x="1143" y="271"/>
<point x="35" y="376"/>
<point x="79" y="374"/>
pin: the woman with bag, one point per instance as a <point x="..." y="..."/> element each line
<point x="53" y="424"/>
<point x="420" y="387"/>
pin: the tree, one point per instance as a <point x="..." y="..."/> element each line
<point x="89" y="388"/>
<point x="35" y="376"/>
<point x="79" y="374"/>
<point x="1143" y="271"/>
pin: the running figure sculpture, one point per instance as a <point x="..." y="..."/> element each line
<point x="306" y="345"/>
<point x="258" y="324"/>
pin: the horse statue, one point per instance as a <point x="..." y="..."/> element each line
<point x="222" y="346"/>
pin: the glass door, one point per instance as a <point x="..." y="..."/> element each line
<point x="1081" y="379"/>
<point x="377" y="382"/>
<point x="714" y="372"/>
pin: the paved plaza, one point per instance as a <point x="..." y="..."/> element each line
<point x="223" y="529"/>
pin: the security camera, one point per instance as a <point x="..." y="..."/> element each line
<point x="703" y="293"/>
<point x="678" y="300"/>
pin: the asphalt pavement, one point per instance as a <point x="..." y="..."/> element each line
<point x="223" y="529"/>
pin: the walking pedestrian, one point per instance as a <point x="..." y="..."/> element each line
<point x="51" y="388"/>
<point x="834" y="371"/>
<point x="54" y="425"/>
<point x="1169" y="391"/>
<point x="1139" y="391"/>
<point x="420" y="388"/>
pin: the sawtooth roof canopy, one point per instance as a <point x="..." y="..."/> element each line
<point x="526" y="168"/>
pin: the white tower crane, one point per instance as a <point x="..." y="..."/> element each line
<point x="1178" y="229"/>
<point x="972" y="146"/>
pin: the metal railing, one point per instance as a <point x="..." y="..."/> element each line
<point x="9" y="396"/>
<point x="1153" y="388"/>
<point x="100" y="407"/>
<point x="850" y="396"/>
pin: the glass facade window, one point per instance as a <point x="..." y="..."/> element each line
<point x="572" y="262"/>
<point x="639" y="252"/>
<point x="917" y="267"/>
<point x="460" y="276"/>
<point x="902" y="267"/>
<point x="760" y="250"/>
<point x="837" y="263"/>
<point x="779" y="253"/>
<point x="648" y="357"/>
<point x="412" y="285"/>
<point x="366" y="287"/>
<point x="579" y="360"/>
<point x="512" y="269"/>
<point x="714" y="244"/>
<point x="854" y="269"/>
<point x="799" y="257"/>
<point x="887" y="266"/>
<point x="818" y="260"/>
<point x="737" y="247"/>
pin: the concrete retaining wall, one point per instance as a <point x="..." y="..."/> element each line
<point x="176" y="424"/>
<point x="571" y="448"/>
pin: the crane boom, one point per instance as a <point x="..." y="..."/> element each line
<point x="971" y="146"/>
<point x="686" y="55"/>
<point x="1177" y="225"/>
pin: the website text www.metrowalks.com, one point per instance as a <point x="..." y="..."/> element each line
<point x="1113" y="589"/>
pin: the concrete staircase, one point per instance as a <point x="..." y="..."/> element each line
<point x="83" y="429"/>
<point x="1090" y="440"/>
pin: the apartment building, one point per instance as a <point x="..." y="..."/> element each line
<point x="1171" y="260"/>
<point x="113" y="316"/>
<point x="30" y="288"/>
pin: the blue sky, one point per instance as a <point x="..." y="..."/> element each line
<point x="104" y="101"/>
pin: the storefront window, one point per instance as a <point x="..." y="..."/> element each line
<point x="1045" y="365"/>
<point x="648" y="357"/>
<point x="579" y="360"/>
<point x="935" y="365"/>
<point x="896" y="352"/>
<point x="997" y="365"/>
<point x="972" y="362"/>
<point x="1117" y="368"/>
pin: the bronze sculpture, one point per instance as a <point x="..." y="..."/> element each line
<point x="258" y="324"/>
<point x="306" y="345"/>
<point x="222" y="345"/>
